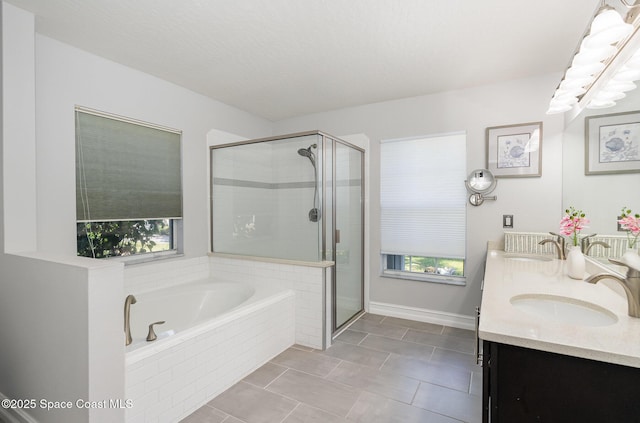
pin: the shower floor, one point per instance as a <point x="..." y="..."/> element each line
<point x="382" y="369"/>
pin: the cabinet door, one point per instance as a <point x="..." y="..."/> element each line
<point x="535" y="386"/>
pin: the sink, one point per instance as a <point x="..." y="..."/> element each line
<point x="564" y="309"/>
<point x="527" y="257"/>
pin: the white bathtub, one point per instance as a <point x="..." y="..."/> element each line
<point x="186" y="307"/>
<point x="215" y="334"/>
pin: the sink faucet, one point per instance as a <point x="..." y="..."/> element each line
<point x="591" y="244"/>
<point x="127" y="325"/>
<point x="631" y="285"/>
<point x="558" y="242"/>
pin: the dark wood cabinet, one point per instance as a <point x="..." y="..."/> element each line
<point x="524" y="385"/>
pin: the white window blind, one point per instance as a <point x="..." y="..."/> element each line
<point x="423" y="196"/>
<point x="125" y="170"/>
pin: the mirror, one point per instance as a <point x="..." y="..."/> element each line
<point x="601" y="196"/>
<point x="479" y="183"/>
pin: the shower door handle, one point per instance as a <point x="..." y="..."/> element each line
<point x="337" y="236"/>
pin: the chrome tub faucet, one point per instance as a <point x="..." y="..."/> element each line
<point x="127" y="315"/>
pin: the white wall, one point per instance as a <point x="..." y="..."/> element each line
<point x="534" y="202"/>
<point x="61" y="316"/>
<point x="18" y="130"/>
<point x="65" y="77"/>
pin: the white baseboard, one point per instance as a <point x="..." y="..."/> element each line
<point x="423" y="315"/>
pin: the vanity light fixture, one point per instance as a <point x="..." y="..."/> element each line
<point x="605" y="64"/>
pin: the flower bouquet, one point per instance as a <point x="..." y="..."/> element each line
<point x="631" y="224"/>
<point x="572" y="223"/>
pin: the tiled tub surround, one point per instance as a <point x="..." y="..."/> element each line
<point x="618" y="343"/>
<point x="311" y="284"/>
<point x="170" y="378"/>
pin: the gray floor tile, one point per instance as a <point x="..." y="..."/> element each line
<point x="252" y="404"/>
<point x="449" y="402"/>
<point x="412" y="324"/>
<point x="460" y="333"/>
<point x="351" y="336"/>
<point x="476" y="384"/>
<point x="307" y="414"/>
<point x="396" y="346"/>
<point x="390" y="331"/>
<point x="372" y="317"/>
<point x="308" y="362"/>
<point x="205" y="414"/>
<point x="455" y="358"/>
<point x="357" y="354"/>
<point x="390" y="385"/>
<point x="320" y="393"/>
<point x="366" y="375"/>
<point x="443" y="341"/>
<point x="439" y="374"/>
<point x="371" y="408"/>
<point x="265" y="374"/>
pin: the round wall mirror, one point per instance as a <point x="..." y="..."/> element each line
<point x="481" y="181"/>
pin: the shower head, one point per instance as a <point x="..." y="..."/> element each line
<point x="306" y="152"/>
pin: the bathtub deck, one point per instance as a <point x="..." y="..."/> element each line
<point x="382" y="369"/>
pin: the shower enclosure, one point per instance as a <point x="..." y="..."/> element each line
<point x="294" y="197"/>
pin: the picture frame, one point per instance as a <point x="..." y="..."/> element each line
<point x="515" y="151"/>
<point x="612" y="143"/>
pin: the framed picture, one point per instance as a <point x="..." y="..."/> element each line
<point x="515" y="151"/>
<point x="612" y="143"/>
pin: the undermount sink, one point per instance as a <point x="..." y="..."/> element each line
<point x="527" y="257"/>
<point x="564" y="309"/>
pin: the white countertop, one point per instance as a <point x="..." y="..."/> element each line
<point x="501" y="322"/>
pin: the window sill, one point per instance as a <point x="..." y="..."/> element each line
<point x="147" y="258"/>
<point x="425" y="277"/>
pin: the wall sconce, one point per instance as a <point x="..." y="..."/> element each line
<point x="605" y="64"/>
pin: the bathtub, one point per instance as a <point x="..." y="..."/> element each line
<point x="185" y="307"/>
<point x="214" y="334"/>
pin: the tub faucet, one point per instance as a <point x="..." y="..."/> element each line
<point x="127" y="324"/>
<point x="631" y="285"/>
<point x="558" y="242"/>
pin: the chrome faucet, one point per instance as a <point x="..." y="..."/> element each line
<point x="631" y="285"/>
<point x="127" y="314"/>
<point x="558" y="242"/>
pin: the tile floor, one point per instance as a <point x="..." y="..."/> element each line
<point x="381" y="370"/>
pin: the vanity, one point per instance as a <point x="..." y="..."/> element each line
<point x="556" y="349"/>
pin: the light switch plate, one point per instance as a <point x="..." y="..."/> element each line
<point x="507" y="221"/>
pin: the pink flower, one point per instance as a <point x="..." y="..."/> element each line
<point x="572" y="223"/>
<point x="630" y="223"/>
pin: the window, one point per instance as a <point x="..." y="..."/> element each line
<point x="128" y="187"/>
<point x="423" y="208"/>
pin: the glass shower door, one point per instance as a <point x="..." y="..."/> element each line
<point x="349" y="231"/>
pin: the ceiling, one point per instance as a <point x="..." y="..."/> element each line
<point x="284" y="58"/>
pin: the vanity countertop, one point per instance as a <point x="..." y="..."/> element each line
<point x="501" y="322"/>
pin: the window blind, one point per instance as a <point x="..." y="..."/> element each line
<point x="423" y="196"/>
<point x="125" y="170"/>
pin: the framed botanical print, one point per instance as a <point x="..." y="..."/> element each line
<point x="515" y="150"/>
<point x="612" y="143"/>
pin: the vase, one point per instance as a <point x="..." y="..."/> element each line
<point x="575" y="263"/>
<point x="631" y="256"/>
